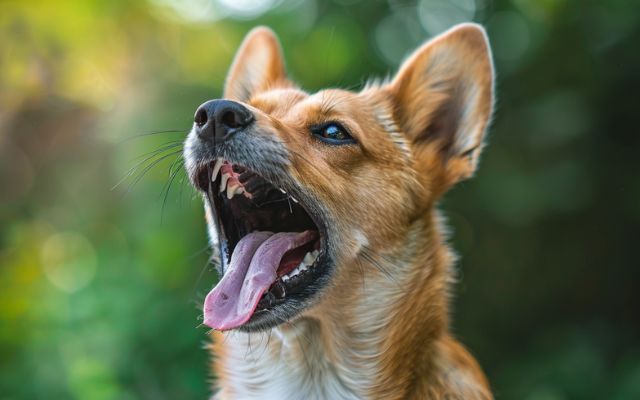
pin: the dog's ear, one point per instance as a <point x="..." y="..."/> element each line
<point x="257" y="66"/>
<point x="443" y="100"/>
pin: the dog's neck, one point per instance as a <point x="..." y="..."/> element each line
<point x="377" y="336"/>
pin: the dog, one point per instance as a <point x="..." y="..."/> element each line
<point x="335" y="272"/>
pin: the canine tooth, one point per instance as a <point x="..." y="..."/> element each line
<point x="310" y="257"/>
<point x="216" y="169"/>
<point x="237" y="190"/>
<point x="231" y="191"/>
<point x="223" y="182"/>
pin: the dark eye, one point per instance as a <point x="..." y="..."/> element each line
<point x="333" y="133"/>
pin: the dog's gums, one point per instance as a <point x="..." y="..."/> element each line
<point x="271" y="246"/>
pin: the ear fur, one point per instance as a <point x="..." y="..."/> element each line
<point x="443" y="100"/>
<point x="257" y="66"/>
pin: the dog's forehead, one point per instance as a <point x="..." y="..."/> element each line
<point x="277" y="102"/>
<point x="326" y="103"/>
<point x="331" y="98"/>
<point x="295" y="104"/>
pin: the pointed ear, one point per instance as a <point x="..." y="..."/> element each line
<point x="443" y="98"/>
<point x="257" y="66"/>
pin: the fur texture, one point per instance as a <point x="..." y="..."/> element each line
<point x="379" y="329"/>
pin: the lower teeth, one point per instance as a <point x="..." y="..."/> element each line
<point x="305" y="264"/>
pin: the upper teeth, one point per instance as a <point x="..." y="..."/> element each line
<point x="223" y="182"/>
<point x="309" y="258"/>
<point x="306" y="262"/>
<point x="233" y="190"/>
<point x="216" y="169"/>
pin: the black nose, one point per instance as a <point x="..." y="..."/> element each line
<point x="218" y="120"/>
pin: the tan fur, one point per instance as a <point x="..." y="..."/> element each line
<point x="375" y="332"/>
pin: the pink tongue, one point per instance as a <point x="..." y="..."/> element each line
<point x="252" y="270"/>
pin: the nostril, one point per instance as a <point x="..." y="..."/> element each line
<point x="229" y="119"/>
<point x="200" y="118"/>
<point x="219" y="119"/>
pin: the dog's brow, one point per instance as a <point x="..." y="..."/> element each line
<point x="278" y="99"/>
<point x="319" y="107"/>
<point x="326" y="102"/>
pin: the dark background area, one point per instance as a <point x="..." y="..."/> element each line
<point x="100" y="287"/>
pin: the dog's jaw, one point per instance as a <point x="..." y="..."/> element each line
<point x="358" y="343"/>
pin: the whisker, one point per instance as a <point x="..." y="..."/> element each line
<point x="226" y="336"/>
<point x="149" y="167"/>
<point x="182" y="181"/>
<point x="172" y="176"/>
<point x="266" y="203"/>
<point x="384" y="257"/>
<point x="304" y="352"/>
<point x="264" y="340"/>
<point x="362" y="273"/>
<point x="165" y="146"/>
<point x="369" y="257"/>
<point x="289" y="202"/>
<point x="124" y="140"/>
<point x="151" y="155"/>
<point x="309" y="163"/>
<point x="210" y="261"/>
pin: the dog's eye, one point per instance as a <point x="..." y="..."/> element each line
<point x="333" y="133"/>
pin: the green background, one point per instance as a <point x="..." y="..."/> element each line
<point x="100" y="288"/>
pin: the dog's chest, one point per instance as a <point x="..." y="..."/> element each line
<point x="281" y="367"/>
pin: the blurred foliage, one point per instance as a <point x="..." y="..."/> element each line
<point x="100" y="288"/>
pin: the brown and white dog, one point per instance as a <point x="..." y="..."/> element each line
<point x="335" y="270"/>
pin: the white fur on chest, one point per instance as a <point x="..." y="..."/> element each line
<point x="279" y="365"/>
<point x="293" y="362"/>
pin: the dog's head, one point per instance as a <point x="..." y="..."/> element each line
<point x="298" y="185"/>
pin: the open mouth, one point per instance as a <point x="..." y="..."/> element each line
<point x="271" y="248"/>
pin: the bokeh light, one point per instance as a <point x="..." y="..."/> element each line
<point x="69" y="261"/>
<point x="437" y="16"/>
<point x="514" y="37"/>
<point x="397" y="34"/>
